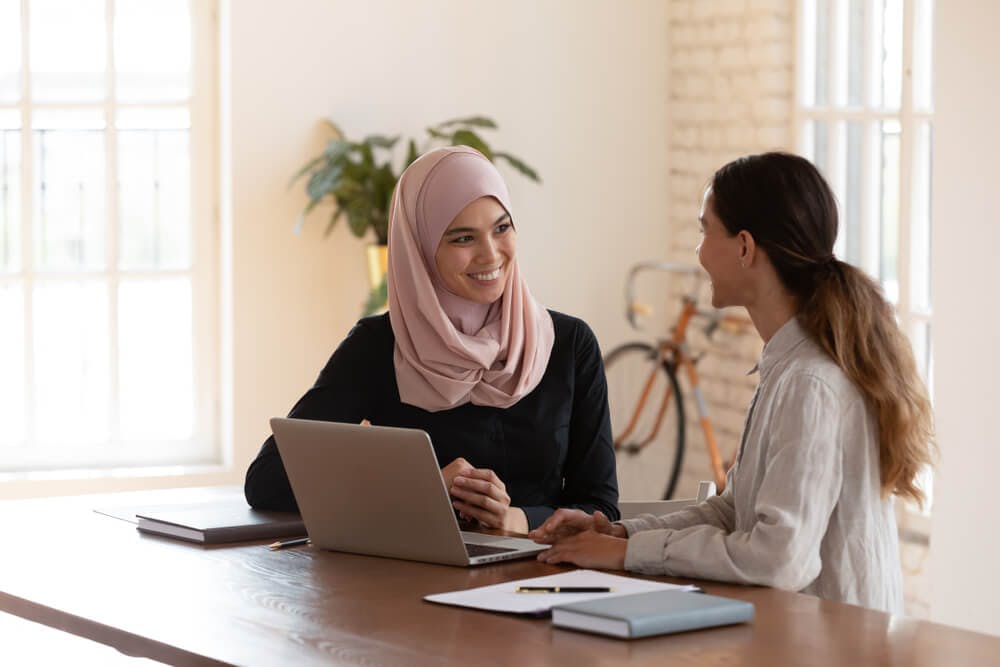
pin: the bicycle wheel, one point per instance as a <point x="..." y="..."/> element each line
<point x="651" y="470"/>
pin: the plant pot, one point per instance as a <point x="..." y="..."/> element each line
<point x="378" y="263"/>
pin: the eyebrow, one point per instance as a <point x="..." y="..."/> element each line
<point x="466" y="230"/>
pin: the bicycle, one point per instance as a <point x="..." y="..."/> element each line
<point x="637" y="371"/>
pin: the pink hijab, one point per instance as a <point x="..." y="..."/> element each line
<point x="449" y="350"/>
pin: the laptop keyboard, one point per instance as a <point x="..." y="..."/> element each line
<point x="483" y="550"/>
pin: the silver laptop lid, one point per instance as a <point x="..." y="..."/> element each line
<point x="370" y="490"/>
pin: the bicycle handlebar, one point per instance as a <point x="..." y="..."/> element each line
<point x="715" y="317"/>
<point x="631" y="307"/>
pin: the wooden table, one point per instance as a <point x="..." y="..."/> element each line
<point x="65" y="566"/>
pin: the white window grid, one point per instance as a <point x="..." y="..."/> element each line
<point x="848" y="91"/>
<point x="203" y="447"/>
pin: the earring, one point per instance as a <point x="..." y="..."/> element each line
<point x="743" y="264"/>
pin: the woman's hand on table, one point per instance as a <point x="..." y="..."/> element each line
<point x="588" y="548"/>
<point x="568" y="522"/>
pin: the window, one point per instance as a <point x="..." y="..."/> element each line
<point x="107" y="236"/>
<point x="863" y="113"/>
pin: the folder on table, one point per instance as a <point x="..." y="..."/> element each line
<point x="215" y="524"/>
<point x="210" y="522"/>
<point x="652" y="613"/>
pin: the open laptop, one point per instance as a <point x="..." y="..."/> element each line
<point x="378" y="491"/>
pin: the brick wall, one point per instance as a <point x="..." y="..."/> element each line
<point x="731" y="84"/>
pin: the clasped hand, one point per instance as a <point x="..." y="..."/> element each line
<point x="477" y="493"/>
<point x="582" y="539"/>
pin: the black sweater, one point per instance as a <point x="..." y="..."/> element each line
<point x="551" y="449"/>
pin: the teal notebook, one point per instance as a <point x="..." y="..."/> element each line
<point x="655" y="613"/>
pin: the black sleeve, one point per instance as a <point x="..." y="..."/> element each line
<point x="342" y="393"/>
<point x="591" y="479"/>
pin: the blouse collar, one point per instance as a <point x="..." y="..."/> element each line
<point x="782" y="344"/>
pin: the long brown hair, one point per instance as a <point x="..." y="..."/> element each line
<point x="785" y="204"/>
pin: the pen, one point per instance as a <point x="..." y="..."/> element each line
<point x="563" y="589"/>
<point x="288" y="543"/>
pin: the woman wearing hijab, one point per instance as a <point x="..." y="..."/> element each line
<point x="839" y="424"/>
<point x="512" y="395"/>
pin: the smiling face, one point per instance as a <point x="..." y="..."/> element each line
<point x="475" y="253"/>
<point x="720" y="254"/>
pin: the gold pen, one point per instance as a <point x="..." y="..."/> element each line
<point x="288" y="543"/>
<point x="563" y="589"/>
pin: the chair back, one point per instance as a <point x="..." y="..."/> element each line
<point x="632" y="508"/>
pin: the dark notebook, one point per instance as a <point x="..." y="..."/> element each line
<point x="655" y="613"/>
<point x="218" y="523"/>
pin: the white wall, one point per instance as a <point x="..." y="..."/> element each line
<point x="965" y="542"/>
<point x="578" y="88"/>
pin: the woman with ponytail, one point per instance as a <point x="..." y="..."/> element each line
<point x="839" y="424"/>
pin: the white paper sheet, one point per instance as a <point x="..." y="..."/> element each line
<point x="502" y="597"/>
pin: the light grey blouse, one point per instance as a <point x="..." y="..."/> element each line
<point x="802" y="509"/>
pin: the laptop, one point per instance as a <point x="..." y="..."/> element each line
<point x="378" y="491"/>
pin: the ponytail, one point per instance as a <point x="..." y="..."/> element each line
<point x="847" y="315"/>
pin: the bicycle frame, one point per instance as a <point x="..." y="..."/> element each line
<point x="674" y="351"/>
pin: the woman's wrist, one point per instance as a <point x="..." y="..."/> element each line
<point x="515" y="520"/>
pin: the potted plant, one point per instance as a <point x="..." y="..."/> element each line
<point x="358" y="177"/>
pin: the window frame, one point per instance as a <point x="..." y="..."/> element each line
<point x="913" y="318"/>
<point x="204" y="447"/>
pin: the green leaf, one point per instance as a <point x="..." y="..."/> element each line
<point x="438" y="134"/>
<point x="323" y="181"/>
<point x="359" y="216"/>
<point x="471" y="139"/>
<point x="318" y="184"/>
<point x="300" y="221"/>
<point x="333" y="221"/>
<point x="336" y="149"/>
<point x="411" y="154"/>
<point x="475" y="121"/>
<point x="347" y="190"/>
<point x="518" y="164"/>
<point x="302" y="172"/>
<point x="385" y="182"/>
<point x="358" y="224"/>
<point x="381" y="226"/>
<point x="367" y="155"/>
<point x="380" y="141"/>
<point x="377" y="298"/>
<point x="356" y="171"/>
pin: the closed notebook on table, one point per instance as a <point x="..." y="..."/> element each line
<point x="654" y="613"/>
<point x="217" y="524"/>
